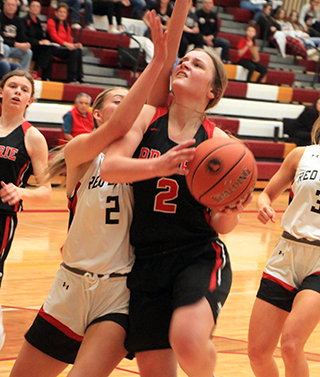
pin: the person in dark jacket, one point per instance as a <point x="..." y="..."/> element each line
<point x="299" y="129"/>
<point x="40" y="45"/>
<point x="12" y="32"/>
<point x="209" y="28"/>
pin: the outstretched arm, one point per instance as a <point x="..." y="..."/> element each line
<point x="125" y="114"/>
<point x="160" y="94"/>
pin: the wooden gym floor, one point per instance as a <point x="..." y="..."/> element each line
<point x="35" y="257"/>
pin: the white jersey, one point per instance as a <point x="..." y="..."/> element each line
<point x="100" y="217"/>
<point x="302" y="217"/>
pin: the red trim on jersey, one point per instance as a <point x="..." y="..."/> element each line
<point x="159" y="112"/>
<point x="6" y="234"/>
<point x="72" y="203"/>
<point x="280" y="282"/>
<point x="213" y="281"/>
<point x="22" y="171"/>
<point x="25" y="126"/>
<point x="60" y="326"/>
<point x="209" y="127"/>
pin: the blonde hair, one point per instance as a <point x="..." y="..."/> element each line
<point x="57" y="164"/>
<point x="220" y="79"/>
<point x="315" y="132"/>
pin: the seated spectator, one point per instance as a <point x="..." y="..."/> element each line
<point x="163" y="9"/>
<point x="6" y="66"/>
<point x="191" y="33"/>
<point x="59" y="31"/>
<point x="40" y="45"/>
<point x="312" y="10"/>
<point x="255" y="8"/>
<point x="79" y="120"/>
<point x="75" y="17"/>
<point x="248" y="55"/>
<point x="309" y="27"/>
<point x="209" y="28"/>
<point x="293" y="44"/>
<point x="299" y="129"/>
<point x="110" y="8"/>
<point x="310" y="43"/>
<point x="14" y="38"/>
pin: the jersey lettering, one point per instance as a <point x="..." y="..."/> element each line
<point x="112" y="210"/>
<point x="308" y="175"/>
<point x="163" y="198"/>
<point x="147" y="153"/>
<point x="8" y="152"/>
<point x="96" y="182"/>
<point x="313" y="208"/>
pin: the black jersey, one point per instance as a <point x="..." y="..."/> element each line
<point x="166" y="216"/>
<point x="15" y="163"/>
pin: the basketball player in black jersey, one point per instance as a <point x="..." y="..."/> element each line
<point x="181" y="276"/>
<point x="23" y="151"/>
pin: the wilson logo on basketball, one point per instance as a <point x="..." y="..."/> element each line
<point x="214" y="166"/>
<point x="237" y="183"/>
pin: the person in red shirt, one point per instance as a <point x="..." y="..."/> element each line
<point x="59" y="31"/>
<point x="248" y="55"/>
<point x="79" y="120"/>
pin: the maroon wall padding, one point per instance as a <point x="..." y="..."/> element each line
<point x="280" y="77"/>
<point x="101" y="39"/>
<point x="305" y="95"/>
<point x="265" y="149"/>
<point x="228" y="3"/>
<point x="236" y="89"/>
<point x="52" y="135"/>
<point x="226" y="124"/>
<point x="70" y="91"/>
<point x="266" y="170"/>
<point x="109" y="58"/>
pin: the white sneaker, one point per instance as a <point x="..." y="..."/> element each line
<point x="2" y="334"/>
<point x="75" y="26"/>
<point x="90" y="27"/>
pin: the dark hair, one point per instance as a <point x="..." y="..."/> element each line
<point x="20" y="73"/>
<point x="32" y="1"/>
<point x="62" y="5"/>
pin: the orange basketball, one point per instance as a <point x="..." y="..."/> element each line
<point x="222" y="173"/>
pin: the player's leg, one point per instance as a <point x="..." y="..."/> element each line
<point x="33" y="363"/>
<point x="195" y="351"/>
<point x="302" y="320"/>
<point x="101" y="350"/>
<point x="265" y="327"/>
<point x="157" y="363"/>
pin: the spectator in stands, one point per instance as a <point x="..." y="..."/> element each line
<point x="40" y="45"/>
<point x="191" y="33"/>
<point x="312" y="10"/>
<point x="138" y="8"/>
<point x="255" y="7"/>
<point x="59" y="31"/>
<point x="248" y="55"/>
<point x="12" y="31"/>
<point x="299" y="129"/>
<point x="309" y="27"/>
<point x="209" y="28"/>
<point x="79" y="120"/>
<point x="5" y="66"/>
<point x="109" y="8"/>
<point x="163" y="9"/>
<point x="310" y="43"/>
<point x="75" y="17"/>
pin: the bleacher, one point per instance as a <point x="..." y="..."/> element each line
<point x="250" y="111"/>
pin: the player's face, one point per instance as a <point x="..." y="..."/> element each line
<point x="318" y="106"/>
<point x="16" y="93"/>
<point x="110" y="103"/>
<point x="194" y="74"/>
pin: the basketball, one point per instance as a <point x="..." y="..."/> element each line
<point x="222" y="173"/>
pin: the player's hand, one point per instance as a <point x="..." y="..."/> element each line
<point x="266" y="213"/>
<point x="9" y="193"/>
<point x="158" y="38"/>
<point x="174" y="161"/>
<point x="238" y="207"/>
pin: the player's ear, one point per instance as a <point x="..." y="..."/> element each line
<point x="211" y="94"/>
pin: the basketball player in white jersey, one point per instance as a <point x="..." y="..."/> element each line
<point x="287" y="306"/>
<point x="85" y="316"/>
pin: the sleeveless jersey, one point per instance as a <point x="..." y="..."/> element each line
<point x="15" y="163"/>
<point x="101" y="214"/>
<point x="166" y="216"/>
<point x="302" y="217"/>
